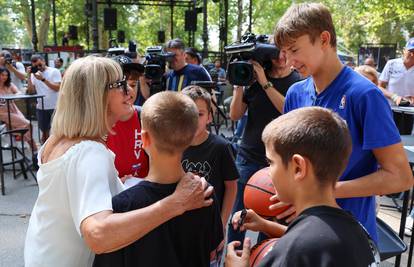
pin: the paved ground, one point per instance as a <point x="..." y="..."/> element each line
<point x="16" y="206"/>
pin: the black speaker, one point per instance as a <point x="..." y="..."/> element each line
<point x="190" y="23"/>
<point x="73" y="32"/>
<point x="121" y="36"/>
<point x="110" y="19"/>
<point x="161" y="37"/>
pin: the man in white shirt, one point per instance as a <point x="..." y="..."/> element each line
<point x="45" y="81"/>
<point x="397" y="83"/>
<point x="16" y="68"/>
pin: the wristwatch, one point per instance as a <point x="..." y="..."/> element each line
<point x="43" y="80"/>
<point x="267" y="85"/>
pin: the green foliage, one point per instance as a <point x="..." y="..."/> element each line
<point x="356" y="21"/>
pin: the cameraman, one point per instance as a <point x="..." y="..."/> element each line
<point x="16" y="68"/>
<point x="45" y="81"/>
<point x="182" y="74"/>
<point x="264" y="101"/>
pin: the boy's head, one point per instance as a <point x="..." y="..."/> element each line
<point x="306" y="142"/>
<point x="305" y="33"/>
<point x="169" y="120"/>
<point x="202" y="99"/>
<point x="368" y="72"/>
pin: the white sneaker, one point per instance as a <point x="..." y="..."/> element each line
<point x="408" y="226"/>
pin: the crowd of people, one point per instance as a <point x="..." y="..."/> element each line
<point x="129" y="177"/>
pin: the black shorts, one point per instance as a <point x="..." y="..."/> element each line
<point x="44" y="118"/>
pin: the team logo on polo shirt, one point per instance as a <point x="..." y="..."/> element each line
<point x="343" y="102"/>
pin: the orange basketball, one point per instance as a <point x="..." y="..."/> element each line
<point x="260" y="250"/>
<point x="257" y="193"/>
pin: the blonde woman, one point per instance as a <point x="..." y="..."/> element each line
<point x="72" y="217"/>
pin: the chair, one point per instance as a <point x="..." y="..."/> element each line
<point x="17" y="156"/>
<point x="389" y="243"/>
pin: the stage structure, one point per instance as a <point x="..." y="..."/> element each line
<point x="193" y="7"/>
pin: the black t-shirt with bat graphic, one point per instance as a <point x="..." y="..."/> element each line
<point x="214" y="160"/>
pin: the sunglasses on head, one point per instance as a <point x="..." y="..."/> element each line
<point x="120" y="84"/>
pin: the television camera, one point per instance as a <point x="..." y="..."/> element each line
<point x="251" y="47"/>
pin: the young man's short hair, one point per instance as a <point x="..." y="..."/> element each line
<point x="172" y="119"/>
<point x="60" y="60"/>
<point x="175" y="43"/>
<point x="302" y="19"/>
<point x="37" y="57"/>
<point x="196" y="92"/>
<point x="316" y="133"/>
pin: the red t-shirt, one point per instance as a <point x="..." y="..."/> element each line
<point x="130" y="158"/>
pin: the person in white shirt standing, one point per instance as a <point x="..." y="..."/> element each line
<point x="397" y="83"/>
<point x="45" y="81"/>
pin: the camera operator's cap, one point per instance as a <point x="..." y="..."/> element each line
<point x="127" y="64"/>
<point x="410" y="44"/>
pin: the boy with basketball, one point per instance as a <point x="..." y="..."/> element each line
<point x="307" y="150"/>
<point x="210" y="156"/>
<point x="306" y="34"/>
<point x="169" y="121"/>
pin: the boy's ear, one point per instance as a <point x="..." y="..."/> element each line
<point x="210" y="116"/>
<point x="325" y="38"/>
<point x="146" y="139"/>
<point x="300" y="167"/>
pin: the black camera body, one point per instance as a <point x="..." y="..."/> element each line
<point x="34" y="69"/>
<point x="156" y="60"/>
<point x="240" y="70"/>
<point x="8" y="59"/>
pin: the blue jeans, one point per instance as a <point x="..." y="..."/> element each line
<point x="240" y="126"/>
<point x="246" y="170"/>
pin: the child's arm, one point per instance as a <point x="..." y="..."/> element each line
<point x="256" y="223"/>
<point x="230" y="191"/>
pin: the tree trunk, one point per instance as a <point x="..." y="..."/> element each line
<point x="239" y="19"/>
<point x="25" y="9"/>
<point x="44" y="25"/>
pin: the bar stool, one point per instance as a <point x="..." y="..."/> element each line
<point x="17" y="156"/>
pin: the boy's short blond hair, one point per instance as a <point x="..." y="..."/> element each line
<point x="368" y="72"/>
<point x="304" y="19"/>
<point x="316" y="133"/>
<point x="171" y="119"/>
<point x="82" y="106"/>
<point x="196" y="92"/>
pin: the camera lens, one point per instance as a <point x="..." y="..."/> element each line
<point x="153" y="72"/>
<point x="240" y="73"/>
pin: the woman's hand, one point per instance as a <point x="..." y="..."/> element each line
<point x="260" y="73"/>
<point x="192" y="192"/>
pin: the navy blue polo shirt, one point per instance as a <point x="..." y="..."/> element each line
<point x="177" y="80"/>
<point x="370" y="122"/>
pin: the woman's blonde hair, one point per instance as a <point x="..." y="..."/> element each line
<point x="82" y="108"/>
